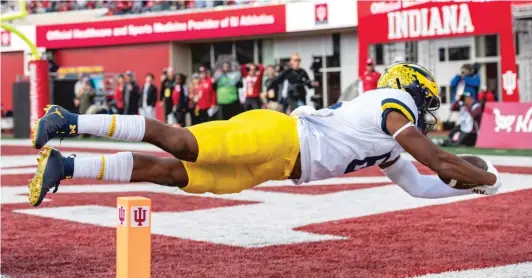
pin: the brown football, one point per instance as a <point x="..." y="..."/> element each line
<point x="475" y="160"/>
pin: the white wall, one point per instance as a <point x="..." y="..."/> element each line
<point x="181" y="58"/>
<point x="348" y="58"/>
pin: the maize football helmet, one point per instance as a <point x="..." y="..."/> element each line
<point x="420" y="84"/>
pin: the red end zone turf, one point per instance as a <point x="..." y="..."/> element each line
<point x="476" y="233"/>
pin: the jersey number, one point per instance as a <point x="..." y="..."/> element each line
<point x="367" y="162"/>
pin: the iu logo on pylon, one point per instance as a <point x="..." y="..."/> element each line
<point x="121" y="216"/>
<point x="140" y="216"/>
<point x="509" y="82"/>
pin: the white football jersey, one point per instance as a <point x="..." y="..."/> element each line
<point x="351" y="135"/>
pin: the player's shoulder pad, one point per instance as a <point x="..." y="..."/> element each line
<point x="400" y="102"/>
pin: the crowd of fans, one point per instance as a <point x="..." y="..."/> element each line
<point x="123" y="7"/>
<point x="206" y="95"/>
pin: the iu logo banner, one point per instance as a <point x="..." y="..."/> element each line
<point x="321" y="12"/>
<point x="140" y="216"/>
<point x="509" y="82"/>
<point x="121" y="215"/>
<point x="506" y="125"/>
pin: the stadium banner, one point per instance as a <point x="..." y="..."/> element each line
<point x="227" y="23"/>
<point x="10" y="42"/>
<point x="394" y="21"/>
<point x="506" y="125"/>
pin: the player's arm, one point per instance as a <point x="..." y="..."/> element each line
<point x="403" y="173"/>
<point x="423" y="150"/>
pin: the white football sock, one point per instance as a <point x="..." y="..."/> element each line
<point x="114" y="167"/>
<point x="119" y="127"/>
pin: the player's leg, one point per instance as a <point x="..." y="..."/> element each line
<point x="135" y="167"/>
<point x="58" y="122"/>
<point x="120" y="167"/>
<point x="249" y="138"/>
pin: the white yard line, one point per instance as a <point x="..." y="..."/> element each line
<point x="522" y="270"/>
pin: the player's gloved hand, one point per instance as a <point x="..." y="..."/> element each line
<point x="489" y="189"/>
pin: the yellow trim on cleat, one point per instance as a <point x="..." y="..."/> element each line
<point x="47" y="108"/>
<point x="34" y="133"/>
<point x="35" y="184"/>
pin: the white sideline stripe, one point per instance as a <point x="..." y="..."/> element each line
<point x="18" y="171"/>
<point x="31" y="160"/>
<point x="521" y="270"/>
<point x="521" y="161"/>
<point x="75" y="143"/>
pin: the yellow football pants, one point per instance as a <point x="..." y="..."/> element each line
<point x="249" y="149"/>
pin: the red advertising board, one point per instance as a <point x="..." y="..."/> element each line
<point x="506" y="125"/>
<point x="176" y="27"/>
<point x="410" y="20"/>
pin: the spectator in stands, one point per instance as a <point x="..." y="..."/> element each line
<point x="131" y="95"/>
<point x="465" y="134"/>
<point x="119" y="93"/>
<point x="84" y="98"/>
<point x="485" y="95"/>
<point x="80" y="4"/>
<point x="78" y="86"/>
<point x="252" y="83"/>
<point x="123" y="7"/>
<point x="465" y="81"/>
<point x="138" y="7"/>
<point x="370" y="77"/>
<point x="297" y="79"/>
<point x="148" y="97"/>
<point x="199" y="4"/>
<point x="475" y="68"/>
<point x="195" y="95"/>
<point x="269" y="95"/>
<point x="226" y="81"/>
<point x="207" y="102"/>
<point x="165" y="95"/>
<point x="180" y="99"/>
<point x="117" y="7"/>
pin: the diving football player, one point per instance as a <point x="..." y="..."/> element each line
<point x="261" y="145"/>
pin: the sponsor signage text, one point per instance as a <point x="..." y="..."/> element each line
<point x="178" y="27"/>
<point x="506" y="125"/>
